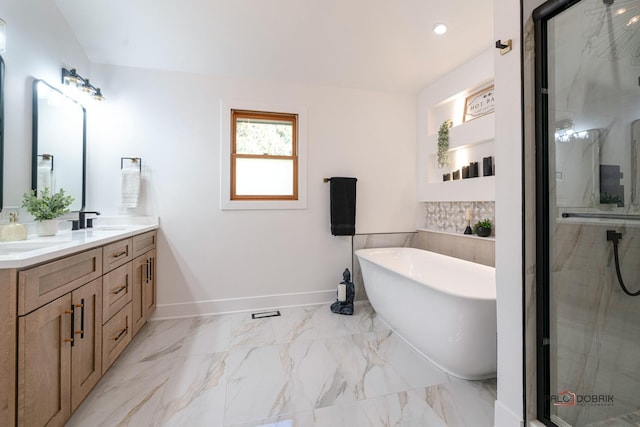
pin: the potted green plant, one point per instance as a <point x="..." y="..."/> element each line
<point x="46" y="208"/>
<point x="443" y="144"/>
<point x="483" y="228"/>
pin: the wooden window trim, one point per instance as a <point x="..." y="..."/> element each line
<point x="263" y="115"/>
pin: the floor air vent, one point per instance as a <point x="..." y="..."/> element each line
<point x="264" y="314"/>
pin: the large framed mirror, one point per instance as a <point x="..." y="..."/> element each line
<point x="59" y="143"/>
<point x="1" y="128"/>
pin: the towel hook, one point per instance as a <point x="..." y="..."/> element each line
<point x="134" y="160"/>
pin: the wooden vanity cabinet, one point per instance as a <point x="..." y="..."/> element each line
<point x="64" y="322"/>
<point x="59" y="356"/>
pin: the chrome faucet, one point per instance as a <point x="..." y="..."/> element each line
<point x="89" y="221"/>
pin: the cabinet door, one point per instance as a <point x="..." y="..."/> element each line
<point x="149" y="291"/>
<point x="140" y="276"/>
<point x="44" y="363"/>
<point x="86" y="353"/>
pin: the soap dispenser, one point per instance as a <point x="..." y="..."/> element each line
<point x="13" y="231"/>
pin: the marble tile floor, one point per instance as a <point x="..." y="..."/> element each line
<point x="307" y="368"/>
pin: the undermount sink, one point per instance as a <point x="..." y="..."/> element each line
<point x="110" y="228"/>
<point x="8" y="248"/>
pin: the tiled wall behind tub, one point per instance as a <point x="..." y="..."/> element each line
<point x="382" y="240"/>
<point x="451" y="216"/>
<point x="481" y="250"/>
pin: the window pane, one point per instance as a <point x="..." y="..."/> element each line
<point x="260" y="136"/>
<point x="264" y="177"/>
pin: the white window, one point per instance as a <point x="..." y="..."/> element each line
<point x="264" y="155"/>
<point x="263" y="158"/>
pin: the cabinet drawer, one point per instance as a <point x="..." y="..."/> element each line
<point x="116" y="290"/>
<point x="144" y="243"/>
<point x="40" y="285"/>
<point x="116" y="254"/>
<point x="116" y="334"/>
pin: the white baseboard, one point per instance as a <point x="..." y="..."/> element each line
<point x="505" y="417"/>
<point x="233" y="305"/>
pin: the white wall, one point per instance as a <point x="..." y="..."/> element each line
<point x="39" y="44"/>
<point x="509" y="276"/>
<point x="172" y="121"/>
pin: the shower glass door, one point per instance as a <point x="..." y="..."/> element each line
<point x="588" y="213"/>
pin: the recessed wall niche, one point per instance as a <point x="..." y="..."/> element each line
<point x="471" y="142"/>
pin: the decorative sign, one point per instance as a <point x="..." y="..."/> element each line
<point x="479" y="104"/>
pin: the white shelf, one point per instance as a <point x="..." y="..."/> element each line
<point x="467" y="134"/>
<point x="466" y="236"/>
<point x="479" y="189"/>
<point x="468" y="141"/>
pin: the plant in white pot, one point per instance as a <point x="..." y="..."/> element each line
<point x="46" y="208"/>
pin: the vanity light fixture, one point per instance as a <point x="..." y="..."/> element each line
<point x="440" y="29"/>
<point x="3" y="36"/>
<point x="72" y="78"/>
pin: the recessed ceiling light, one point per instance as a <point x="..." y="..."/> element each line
<point x="440" y="29"/>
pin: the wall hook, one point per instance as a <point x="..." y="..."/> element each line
<point x="504" y="47"/>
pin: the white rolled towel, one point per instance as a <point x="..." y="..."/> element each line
<point x="130" y="189"/>
<point x="45" y="177"/>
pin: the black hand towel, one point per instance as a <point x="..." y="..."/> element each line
<point x="343" y="206"/>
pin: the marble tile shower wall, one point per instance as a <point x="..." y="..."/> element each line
<point x="450" y="216"/>
<point x="597" y="326"/>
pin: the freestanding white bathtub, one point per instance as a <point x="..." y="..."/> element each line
<point x="442" y="306"/>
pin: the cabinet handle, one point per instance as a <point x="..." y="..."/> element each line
<point x="117" y="291"/>
<point x="122" y="332"/>
<point x="73" y="324"/>
<point x="147" y="272"/>
<point x="123" y="287"/>
<point x="119" y="254"/>
<point x="152" y="261"/>
<point x="81" y="330"/>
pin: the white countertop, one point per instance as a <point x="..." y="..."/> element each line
<point x="35" y="250"/>
<point x="467" y="236"/>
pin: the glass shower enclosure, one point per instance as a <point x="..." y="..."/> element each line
<point x="588" y="212"/>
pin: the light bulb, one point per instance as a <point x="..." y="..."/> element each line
<point x="440" y="29"/>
